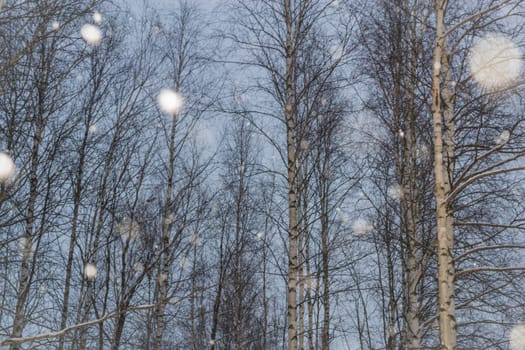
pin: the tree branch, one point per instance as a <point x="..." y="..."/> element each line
<point x="479" y="249"/>
<point x="13" y="341"/>
<point x="490" y="269"/>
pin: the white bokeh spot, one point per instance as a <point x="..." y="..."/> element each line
<point x="395" y="192"/>
<point x="361" y="227"/>
<point x="170" y="102"/>
<point x="90" y="271"/>
<point x="7" y="167"/>
<point x="97" y="17"/>
<point x="495" y="62"/>
<point x="517" y="337"/>
<point x="91" y="34"/>
<point x="503" y="138"/>
<point x="128" y="229"/>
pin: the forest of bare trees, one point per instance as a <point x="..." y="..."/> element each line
<point x="262" y="174"/>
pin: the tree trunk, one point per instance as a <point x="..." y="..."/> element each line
<point x="162" y="278"/>
<point x="264" y="285"/>
<point x="26" y="270"/>
<point x="218" y="295"/>
<point x="73" y="238"/>
<point x="410" y="208"/>
<point x="324" y="189"/>
<point x="447" y="320"/>
<point x="301" y="211"/>
<point x="311" y="285"/>
<point x="239" y="249"/>
<point x="119" y="327"/>
<point x="289" y="112"/>
<point x="392" y="303"/>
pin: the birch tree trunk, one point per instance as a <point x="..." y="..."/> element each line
<point x="293" y="234"/>
<point x="162" y="278"/>
<point x="301" y="211"/>
<point x="410" y="201"/>
<point x="306" y="253"/>
<point x="447" y="320"/>
<point x="27" y="268"/>
<point x="220" y="283"/>
<point x="239" y="250"/>
<point x="324" y="203"/>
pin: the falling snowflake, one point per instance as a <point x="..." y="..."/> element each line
<point x="194" y="239"/>
<point x="422" y="152"/>
<point x="205" y="136"/>
<point x="90" y="271"/>
<point x="128" y="229"/>
<point x="397" y="9"/>
<point x="97" y="17"/>
<point x="401" y="133"/>
<point x="7" y="167"/>
<point x="55" y="25"/>
<point x="517" y="337"/>
<point x="395" y="191"/>
<point x="337" y="53"/>
<point x="138" y="267"/>
<point x="22" y="244"/>
<point x="184" y="263"/>
<point x="260" y="235"/>
<point x="503" y="138"/>
<point x="92" y="128"/>
<point x="305" y="145"/>
<point x="169" y="220"/>
<point x="212" y="342"/>
<point x="361" y="227"/>
<point x="241" y="98"/>
<point x="343" y="217"/>
<point x="163" y="277"/>
<point x="170" y="102"/>
<point x="91" y="34"/>
<point x="495" y="62"/>
<point x="310" y="282"/>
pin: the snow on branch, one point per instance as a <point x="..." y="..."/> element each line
<point x="13" y="341"/>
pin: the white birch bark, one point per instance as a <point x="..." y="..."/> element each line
<point x="447" y="320"/>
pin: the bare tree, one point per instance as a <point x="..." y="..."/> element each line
<point x="277" y="34"/>
<point x="446" y="119"/>
<point x="186" y="62"/>
<point x="401" y="107"/>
